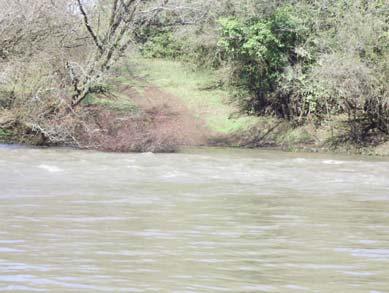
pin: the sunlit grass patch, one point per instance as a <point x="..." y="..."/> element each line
<point x="195" y="88"/>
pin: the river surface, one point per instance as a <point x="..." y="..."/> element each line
<point x="200" y="221"/>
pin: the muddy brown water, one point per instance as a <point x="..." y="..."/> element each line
<point x="199" y="221"/>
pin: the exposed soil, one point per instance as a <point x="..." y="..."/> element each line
<point x="173" y="116"/>
<point x="162" y="124"/>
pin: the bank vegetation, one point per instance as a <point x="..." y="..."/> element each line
<point x="298" y="62"/>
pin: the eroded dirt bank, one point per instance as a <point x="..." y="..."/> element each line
<point x="161" y="123"/>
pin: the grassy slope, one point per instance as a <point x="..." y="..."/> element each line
<point x="210" y="105"/>
<point x="194" y="89"/>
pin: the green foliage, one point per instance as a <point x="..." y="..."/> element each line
<point x="302" y="61"/>
<point x="298" y="60"/>
<point x="162" y="45"/>
<point x="195" y="48"/>
<point x="314" y="61"/>
<point x="260" y="50"/>
<point x="4" y="133"/>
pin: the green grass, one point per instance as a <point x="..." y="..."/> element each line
<point x="4" y="134"/>
<point x="210" y="104"/>
<point x="119" y="103"/>
<point x="191" y="87"/>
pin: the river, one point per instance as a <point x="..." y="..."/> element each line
<point x="204" y="220"/>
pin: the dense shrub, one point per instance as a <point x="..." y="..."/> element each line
<point x="309" y="60"/>
<point x="260" y="50"/>
<point x="162" y="45"/>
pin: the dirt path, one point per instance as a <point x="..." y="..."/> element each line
<point x="171" y="115"/>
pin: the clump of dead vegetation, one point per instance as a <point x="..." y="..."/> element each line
<point x="56" y="54"/>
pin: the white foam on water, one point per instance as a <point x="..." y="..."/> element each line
<point x="51" y="169"/>
<point x="299" y="160"/>
<point x="332" y="162"/>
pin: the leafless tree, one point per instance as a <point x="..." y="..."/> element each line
<point x="54" y="53"/>
<point x="111" y="38"/>
<point x="31" y="26"/>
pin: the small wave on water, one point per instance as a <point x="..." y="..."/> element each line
<point x="174" y="174"/>
<point x="51" y="169"/>
<point x="299" y="160"/>
<point x="382" y="254"/>
<point x="223" y="221"/>
<point x="332" y="162"/>
<point x="11" y="146"/>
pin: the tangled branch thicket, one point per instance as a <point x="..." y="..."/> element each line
<point x="54" y="54"/>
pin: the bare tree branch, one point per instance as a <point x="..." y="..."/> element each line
<point x="123" y="18"/>
<point x="89" y="27"/>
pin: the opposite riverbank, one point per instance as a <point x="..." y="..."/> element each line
<point x="160" y="105"/>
